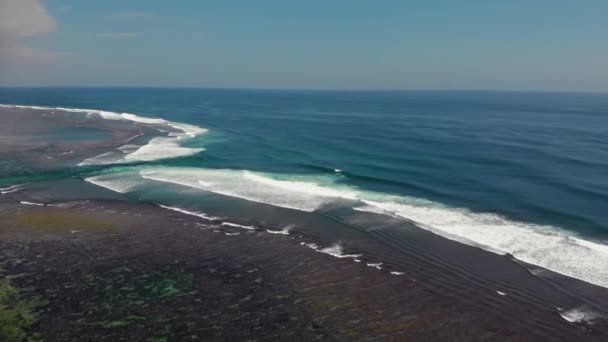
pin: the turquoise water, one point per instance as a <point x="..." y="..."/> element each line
<point x="518" y="173"/>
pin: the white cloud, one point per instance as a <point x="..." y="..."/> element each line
<point x="24" y="18"/>
<point x="20" y="19"/>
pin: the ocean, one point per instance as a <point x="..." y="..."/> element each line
<point x="518" y="173"/>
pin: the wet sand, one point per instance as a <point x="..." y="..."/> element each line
<point x="112" y="271"/>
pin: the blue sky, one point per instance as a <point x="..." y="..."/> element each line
<point x="354" y="44"/>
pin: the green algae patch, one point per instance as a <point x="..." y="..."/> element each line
<point x="17" y="314"/>
<point x="123" y="287"/>
<point x="53" y="222"/>
<point x="124" y="298"/>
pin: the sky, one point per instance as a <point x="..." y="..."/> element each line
<point x="554" y="45"/>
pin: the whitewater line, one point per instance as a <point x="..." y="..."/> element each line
<point x="549" y="247"/>
<point x="157" y="148"/>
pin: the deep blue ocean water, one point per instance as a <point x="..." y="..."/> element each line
<point x="521" y="173"/>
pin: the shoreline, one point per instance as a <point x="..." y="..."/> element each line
<point x="56" y="155"/>
<point x="431" y="299"/>
<point x="23" y="123"/>
<point x="388" y="279"/>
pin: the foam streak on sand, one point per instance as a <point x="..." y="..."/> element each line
<point x="192" y="213"/>
<point x="208" y="217"/>
<point x="334" y="250"/>
<point x="231" y="224"/>
<point x="10" y="189"/>
<point x="32" y="203"/>
<point x="284" y="231"/>
<point x="577" y="315"/>
<point x="377" y="265"/>
<point x="156" y="149"/>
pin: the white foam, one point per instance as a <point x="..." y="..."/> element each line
<point x="578" y="315"/>
<point x="189" y="130"/>
<point x="136" y="118"/>
<point x="232" y="234"/>
<point x="304" y="196"/>
<point x="372" y="209"/>
<point x="159" y="148"/>
<point x="397" y="273"/>
<point x="546" y="246"/>
<point x="241" y="184"/>
<point x="334" y="250"/>
<point x="232" y="224"/>
<point x="10" y="189"/>
<point x="117" y="182"/>
<point x="128" y="148"/>
<point x="23" y="107"/>
<point x="501" y="293"/>
<point x="284" y="231"/>
<point x="377" y="265"/>
<point x="102" y="159"/>
<point x="191" y="213"/>
<point x="208" y="217"/>
<point x="300" y="187"/>
<point x="32" y="203"/>
<point x="156" y="149"/>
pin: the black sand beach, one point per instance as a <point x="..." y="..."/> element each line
<point x="110" y="269"/>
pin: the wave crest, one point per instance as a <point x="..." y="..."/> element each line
<point x="156" y="149"/>
<point x="550" y="247"/>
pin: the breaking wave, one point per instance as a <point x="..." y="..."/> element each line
<point x="157" y="148"/>
<point x="546" y="246"/>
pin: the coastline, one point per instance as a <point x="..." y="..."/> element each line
<point x="70" y="242"/>
<point x="68" y="253"/>
<point x="23" y="128"/>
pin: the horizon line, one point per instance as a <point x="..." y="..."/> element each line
<point x="296" y="89"/>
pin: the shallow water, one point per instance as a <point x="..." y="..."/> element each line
<point x="518" y="173"/>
